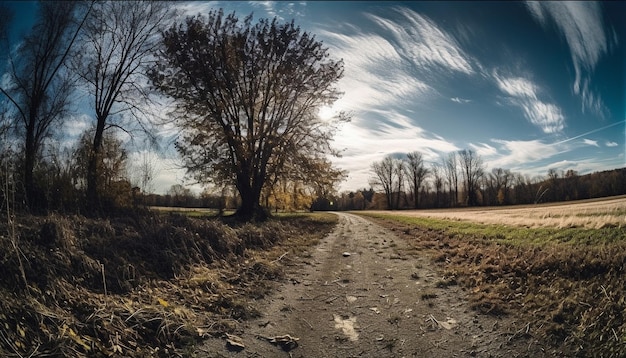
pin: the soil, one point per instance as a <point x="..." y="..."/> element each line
<point x="365" y="292"/>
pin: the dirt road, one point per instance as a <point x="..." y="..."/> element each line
<point x="364" y="292"/>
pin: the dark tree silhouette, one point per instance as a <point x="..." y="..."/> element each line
<point x="248" y="96"/>
<point x="39" y="88"/>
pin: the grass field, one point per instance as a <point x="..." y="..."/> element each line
<point x="559" y="268"/>
<point x="595" y="214"/>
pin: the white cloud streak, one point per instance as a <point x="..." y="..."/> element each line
<point x="582" y="25"/>
<point x="421" y="40"/>
<point x="524" y="93"/>
<point x="519" y="153"/>
<point x="364" y="146"/>
<point x="460" y="100"/>
<point x="590" y="142"/>
<point x="611" y="144"/>
<point x="374" y="75"/>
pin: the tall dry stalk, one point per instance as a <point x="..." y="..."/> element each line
<point x="9" y="196"/>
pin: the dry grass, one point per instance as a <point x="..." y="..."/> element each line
<point x="141" y="286"/>
<point x="565" y="284"/>
<point x="593" y="214"/>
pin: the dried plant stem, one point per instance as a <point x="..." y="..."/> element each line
<point x="11" y="228"/>
<point x="104" y="280"/>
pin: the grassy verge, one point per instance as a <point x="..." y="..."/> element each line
<point x="569" y="285"/>
<point x="144" y="286"/>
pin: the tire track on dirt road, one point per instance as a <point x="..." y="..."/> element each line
<point x="366" y="293"/>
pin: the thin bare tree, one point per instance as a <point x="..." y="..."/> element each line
<point x="437" y="179"/>
<point x="119" y="40"/>
<point x="472" y="170"/>
<point x="39" y="87"/>
<point x="450" y="165"/>
<point x="417" y="172"/>
<point x="386" y="177"/>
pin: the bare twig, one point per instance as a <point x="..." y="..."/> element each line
<point x="280" y="258"/>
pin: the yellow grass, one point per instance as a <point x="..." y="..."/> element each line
<point x="593" y="214"/>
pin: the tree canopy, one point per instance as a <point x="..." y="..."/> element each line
<point x="248" y="96"/>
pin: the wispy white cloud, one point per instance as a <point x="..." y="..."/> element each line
<point x="484" y="149"/>
<point x="76" y="125"/>
<point x="460" y="100"/>
<point x="524" y="93"/>
<point x="283" y="11"/>
<point x="517" y="87"/>
<point x="611" y="144"/>
<point x="426" y="44"/>
<point x="519" y="153"/>
<point x="591" y="142"/>
<point x="364" y="145"/>
<point x="582" y="25"/>
<point x="374" y="74"/>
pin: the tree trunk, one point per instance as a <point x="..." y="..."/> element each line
<point x="93" y="196"/>
<point x="250" y="208"/>
<point x="29" y="167"/>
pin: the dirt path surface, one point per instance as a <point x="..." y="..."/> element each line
<point x="364" y="292"/>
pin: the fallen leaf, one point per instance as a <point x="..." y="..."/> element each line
<point x="163" y="302"/>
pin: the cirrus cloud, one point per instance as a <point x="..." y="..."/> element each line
<point x="524" y="94"/>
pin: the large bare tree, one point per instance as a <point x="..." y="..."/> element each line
<point x="248" y="95"/>
<point x="38" y="86"/>
<point x="119" y="41"/>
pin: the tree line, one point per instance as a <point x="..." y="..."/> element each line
<point x="458" y="179"/>
<point x="244" y="96"/>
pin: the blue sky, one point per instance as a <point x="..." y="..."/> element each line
<point x="529" y="86"/>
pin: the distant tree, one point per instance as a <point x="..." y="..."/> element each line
<point x="358" y="201"/>
<point x="388" y="176"/>
<point x="38" y="87"/>
<point x="180" y="196"/>
<point x="570" y="185"/>
<point x="498" y="184"/>
<point x="119" y="41"/>
<point x="416" y="172"/>
<point x="472" y="170"/>
<point x="437" y="178"/>
<point x="554" y="185"/>
<point x="143" y="171"/>
<point x="248" y="97"/>
<point x="450" y="165"/>
<point x="384" y="178"/>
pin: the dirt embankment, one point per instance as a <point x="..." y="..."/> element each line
<point x="364" y="292"/>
